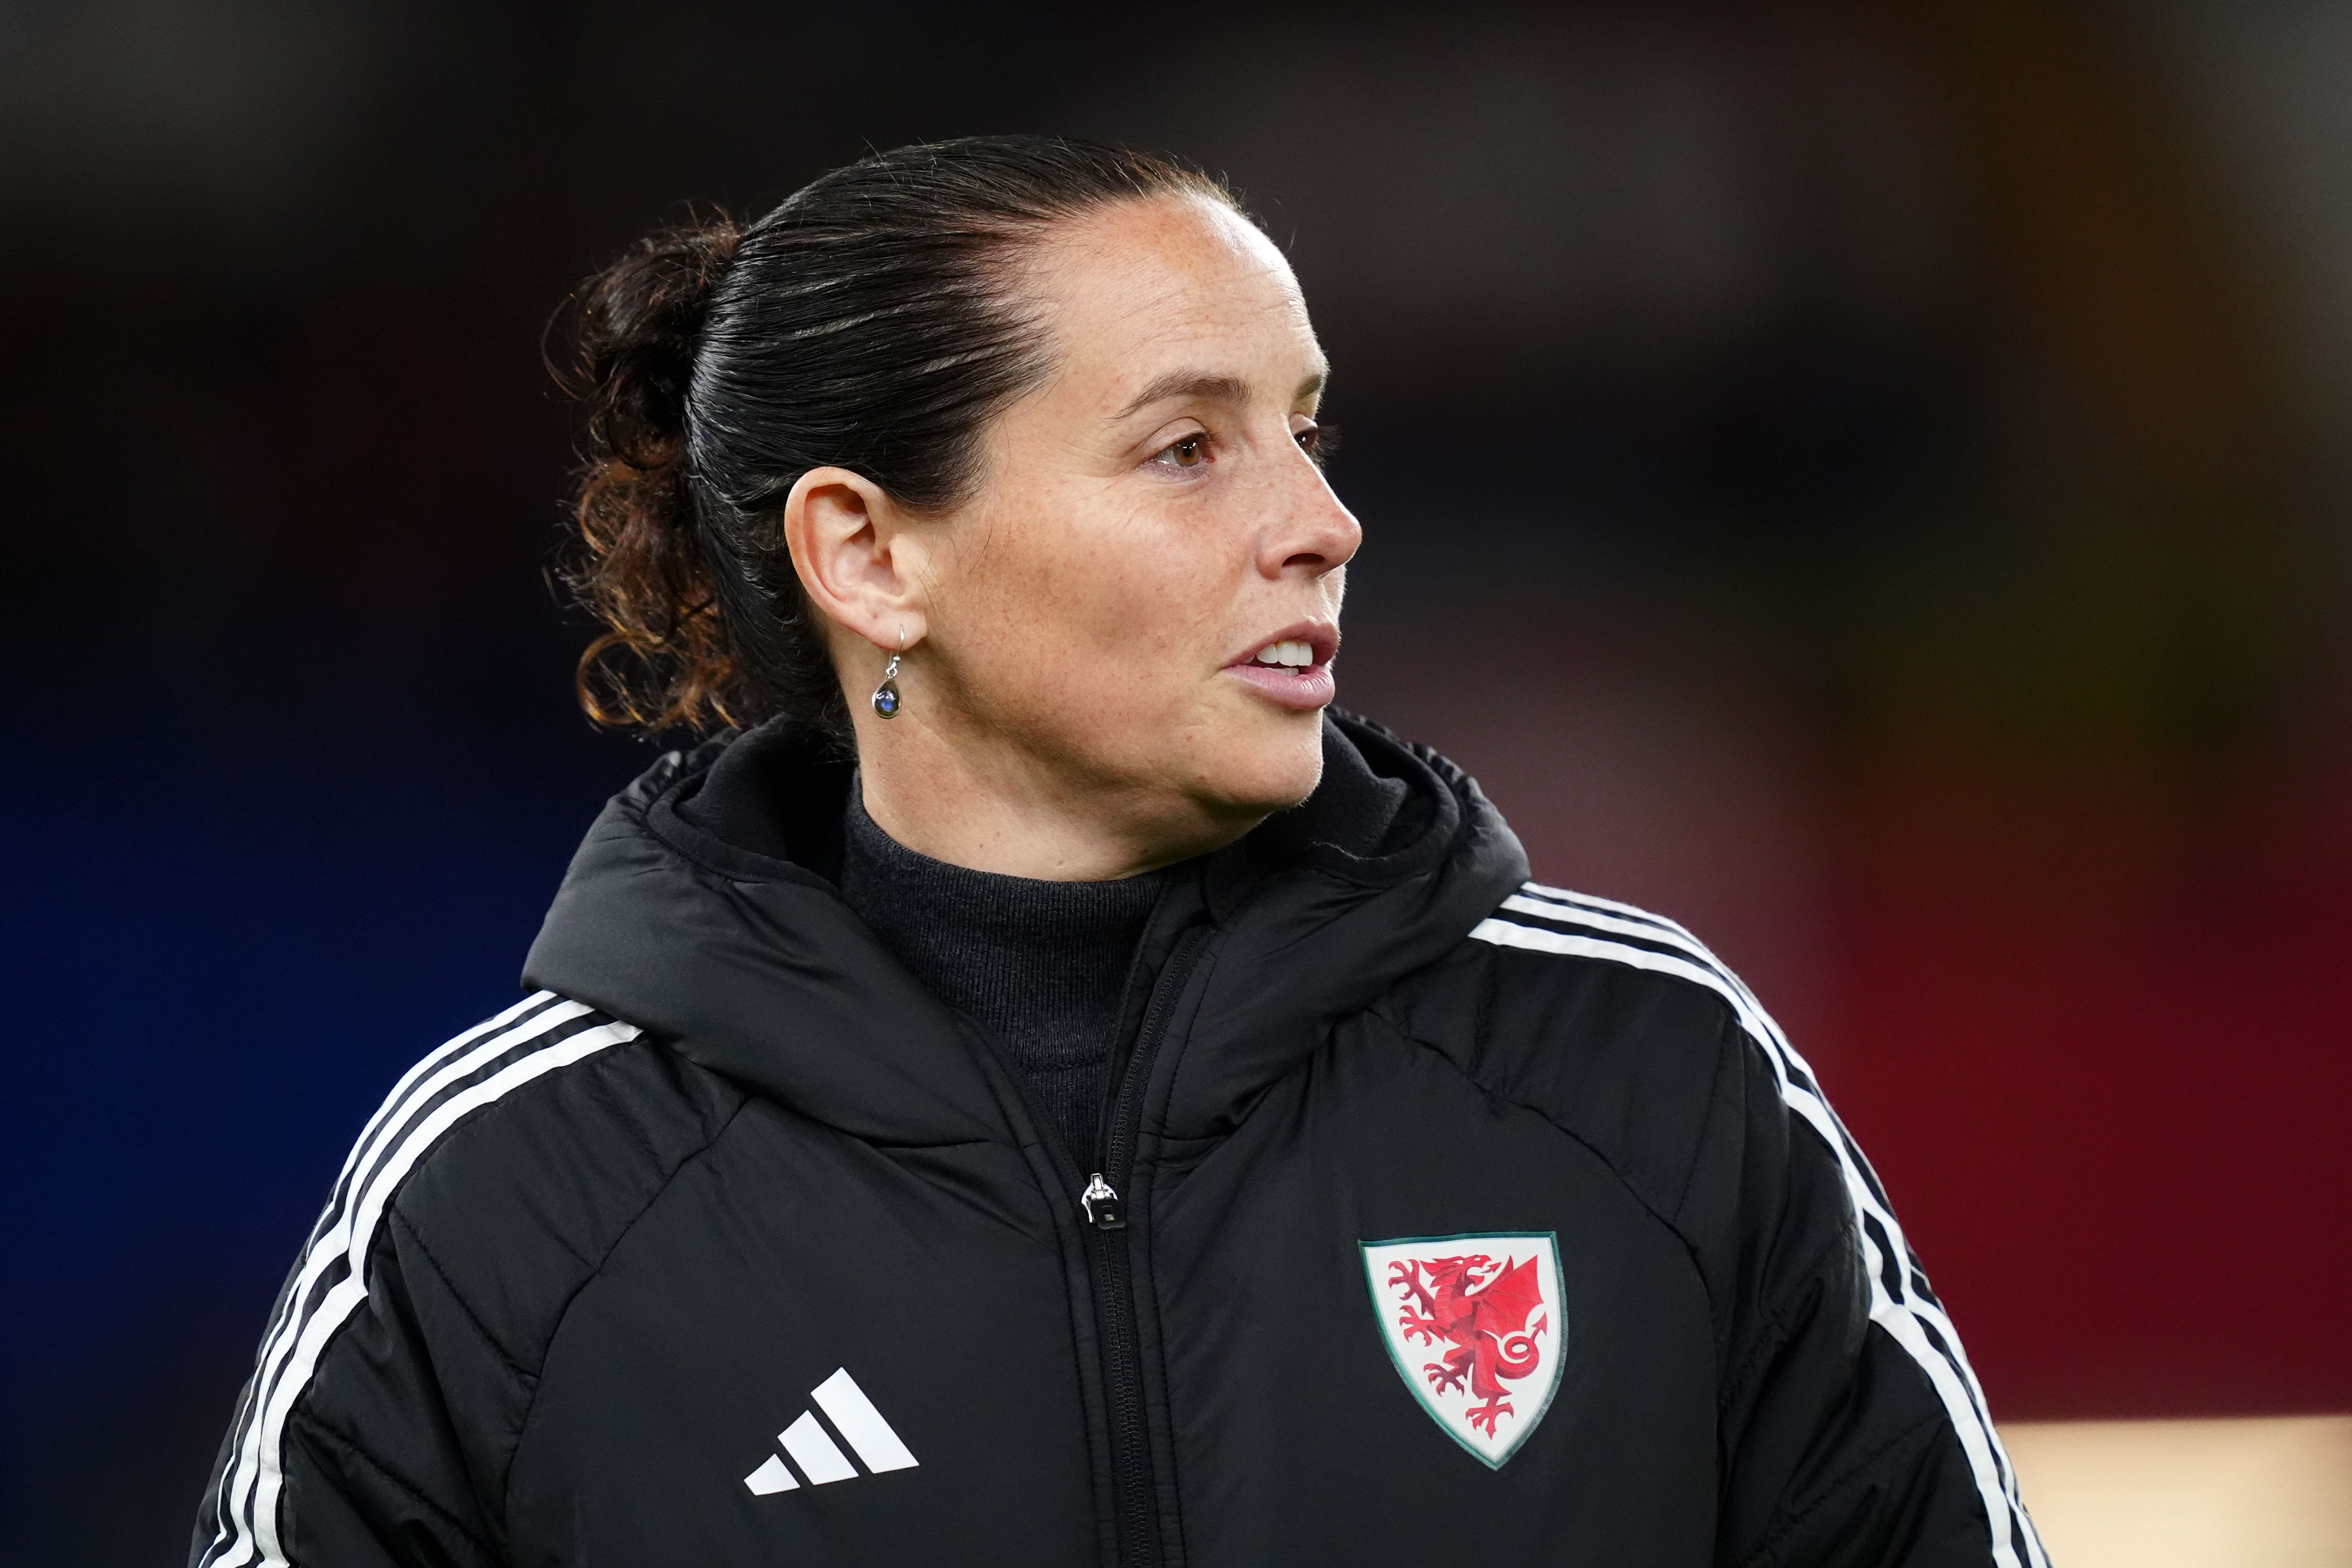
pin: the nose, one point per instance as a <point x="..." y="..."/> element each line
<point x="1317" y="534"/>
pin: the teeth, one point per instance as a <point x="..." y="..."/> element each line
<point x="1290" y="653"/>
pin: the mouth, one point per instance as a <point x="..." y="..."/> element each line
<point x="1293" y="668"/>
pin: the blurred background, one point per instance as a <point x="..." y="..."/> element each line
<point x="1870" y="481"/>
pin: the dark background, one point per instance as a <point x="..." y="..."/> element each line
<point x="1869" y="481"/>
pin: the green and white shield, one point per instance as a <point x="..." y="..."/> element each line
<point x="1476" y="1328"/>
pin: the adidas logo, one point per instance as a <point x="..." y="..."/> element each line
<point x="820" y="1458"/>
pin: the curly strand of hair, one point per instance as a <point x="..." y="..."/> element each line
<point x="664" y="659"/>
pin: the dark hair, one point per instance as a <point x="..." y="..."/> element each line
<point x="870" y="321"/>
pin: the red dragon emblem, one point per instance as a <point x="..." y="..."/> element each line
<point x="1481" y="1310"/>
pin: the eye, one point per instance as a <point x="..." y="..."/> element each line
<point x="1319" y="442"/>
<point x="1189" y="453"/>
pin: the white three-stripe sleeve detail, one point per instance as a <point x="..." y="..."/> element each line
<point x="348" y="1292"/>
<point x="452" y="1061"/>
<point x="1609" y="906"/>
<point x="291" y="1307"/>
<point x="237" y="1478"/>
<point x="290" y="1354"/>
<point x="1907" y="1321"/>
<point x="1648" y="927"/>
<point x="853" y="1416"/>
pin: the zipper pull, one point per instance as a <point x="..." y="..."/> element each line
<point x="1102" y="1205"/>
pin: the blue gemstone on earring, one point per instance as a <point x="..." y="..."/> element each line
<point x="886" y="700"/>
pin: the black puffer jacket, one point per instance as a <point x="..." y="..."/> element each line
<point x="1438" y="1217"/>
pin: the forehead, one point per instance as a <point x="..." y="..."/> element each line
<point x="1126" y="289"/>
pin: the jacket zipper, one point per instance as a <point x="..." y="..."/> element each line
<point x="1106" y="1217"/>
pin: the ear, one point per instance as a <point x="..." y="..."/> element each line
<point x="856" y="556"/>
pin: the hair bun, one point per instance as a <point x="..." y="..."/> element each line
<point x="639" y="321"/>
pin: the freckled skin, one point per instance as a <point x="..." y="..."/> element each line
<point x="1067" y="710"/>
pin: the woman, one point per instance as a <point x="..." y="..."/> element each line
<point x="1042" y="1088"/>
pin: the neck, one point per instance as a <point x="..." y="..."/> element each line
<point x="973" y="802"/>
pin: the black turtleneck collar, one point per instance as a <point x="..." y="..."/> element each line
<point x="1042" y="965"/>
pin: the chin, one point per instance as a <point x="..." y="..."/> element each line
<point x="1267" y="773"/>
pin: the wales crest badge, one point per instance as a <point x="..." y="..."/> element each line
<point x="1476" y="1328"/>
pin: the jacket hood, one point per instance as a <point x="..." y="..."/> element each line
<point x="702" y="907"/>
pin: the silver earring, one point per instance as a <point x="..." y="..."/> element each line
<point x="885" y="695"/>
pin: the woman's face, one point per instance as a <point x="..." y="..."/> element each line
<point x="1138" y="608"/>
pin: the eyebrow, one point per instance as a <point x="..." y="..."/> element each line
<point x="1207" y="387"/>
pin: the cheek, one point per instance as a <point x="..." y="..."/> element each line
<point x="1102" y="585"/>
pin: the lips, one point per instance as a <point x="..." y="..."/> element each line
<point x="1292" y="668"/>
